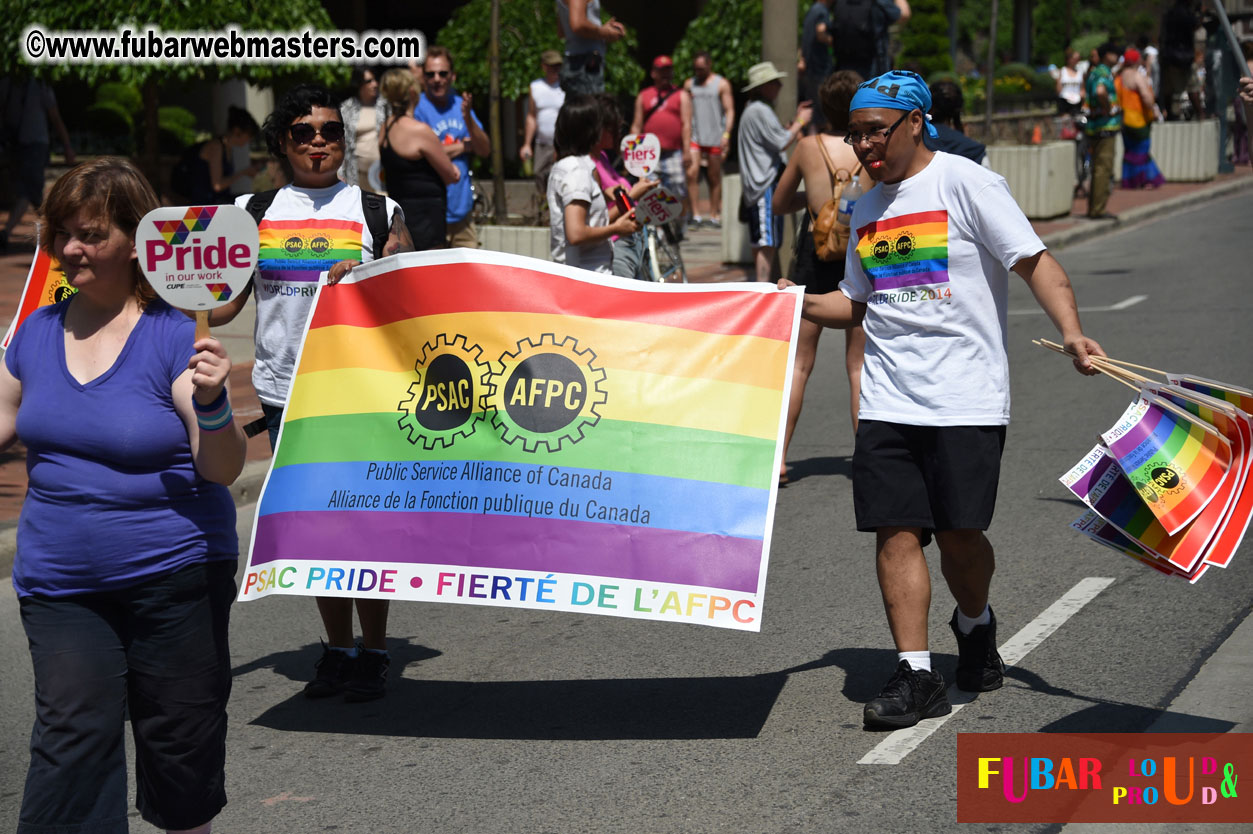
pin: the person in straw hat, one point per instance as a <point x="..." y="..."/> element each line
<point x="762" y="143"/>
<point x="927" y="276"/>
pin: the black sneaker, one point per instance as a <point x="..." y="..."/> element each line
<point x="369" y="676"/>
<point x="979" y="665"/>
<point x="908" y="697"/>
<point x="334" y="669"/>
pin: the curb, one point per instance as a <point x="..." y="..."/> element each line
<point x="1086" y="229"/>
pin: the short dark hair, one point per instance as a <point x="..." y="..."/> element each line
<point x="610" y="114"/>
<point x="358" y="77"/>
<point x="578" y="126"/>
<point x="296" y="102"/>
<point x="237" y="118"/>
<point x="946" y="103"/>
<point x="703" y="54"/>
<point x="835" y="95"/>
<point x="439" y="52"/>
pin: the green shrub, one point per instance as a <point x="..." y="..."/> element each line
<point x="122" y="96"/>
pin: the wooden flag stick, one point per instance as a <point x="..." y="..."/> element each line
<point x="202" y="324"/>
<point x="1109" y="372"/>
<point x="1133" y="365"/>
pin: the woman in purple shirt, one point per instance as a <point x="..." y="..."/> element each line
<point x="126" y="546"/>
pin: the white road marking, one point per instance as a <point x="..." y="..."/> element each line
<point x="900" y="743"/>
<point x="1110" y="308"/>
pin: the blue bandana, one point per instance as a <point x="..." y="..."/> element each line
<point x="895" y="90"/>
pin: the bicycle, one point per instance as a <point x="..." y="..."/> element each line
<point x="1083" y="156"/>
<point x="659" y="258"/>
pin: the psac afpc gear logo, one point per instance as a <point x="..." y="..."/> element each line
<point x="445" y="401"/>
<point x="546" y="393"/>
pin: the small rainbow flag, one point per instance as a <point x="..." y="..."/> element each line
<point x="1098" y="481"/>
<point x="480" y="428"/>
<point x="1175" y="462"/>
<point x="45" y="284"/>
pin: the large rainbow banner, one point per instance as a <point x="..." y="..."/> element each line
<point x="480" y="428"/>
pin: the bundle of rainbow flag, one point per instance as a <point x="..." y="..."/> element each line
<point x="1167" y="484"/>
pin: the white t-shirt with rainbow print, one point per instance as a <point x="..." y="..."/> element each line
<point x="930" y="256"/>
<point x="304" y="232"/>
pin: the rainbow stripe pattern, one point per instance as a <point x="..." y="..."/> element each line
<point x="45" y="284"/>
<point x="301" y="250"/>
<point x="483" y="426"/>
<point x="906" y="251"/>
<point x="1175" y="462"/>
<point x="220" y="292"/>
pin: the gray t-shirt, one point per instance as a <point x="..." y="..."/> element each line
<point x="762" y="140"/>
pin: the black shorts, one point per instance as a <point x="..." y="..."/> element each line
<point x="159" y="650"/>
<point x="931" y="477"/>
<point x="818" y="277"/>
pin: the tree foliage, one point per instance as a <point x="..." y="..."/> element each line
<point x="924" y="39"/>
<point x="527" y="28"/>
<point x="730" y="31"/>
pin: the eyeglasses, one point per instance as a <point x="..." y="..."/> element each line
<point x="302" y="133"/>
<point x="440" y="73"/>
<point x="875" y="137"/>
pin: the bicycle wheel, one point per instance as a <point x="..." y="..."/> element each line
<point x="665" y="264"/>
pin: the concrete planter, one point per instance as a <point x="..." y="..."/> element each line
<point x="735" y="241"/>
<point x="531" y="241"/>
<point x="1185" y="151"/>
<point x="1041" y="177"/>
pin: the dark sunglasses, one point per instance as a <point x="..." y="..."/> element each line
<point x="302" y="133"/>
<point x="440" y="73"/>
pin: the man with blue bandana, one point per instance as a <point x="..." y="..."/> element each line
<point x="927" y="276"/>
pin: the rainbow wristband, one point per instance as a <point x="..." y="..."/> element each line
<point x="215" y="416"/>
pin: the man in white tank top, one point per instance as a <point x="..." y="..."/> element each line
<point x="713" y="115"/>
<point x="542" y="106"/>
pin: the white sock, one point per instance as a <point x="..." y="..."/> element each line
<point x="967" y="624"/>
<point x="351" y="651"/>
<point x="918" y="661"/>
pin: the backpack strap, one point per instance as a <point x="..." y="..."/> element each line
<point x="374" y="207"/>
<point x="259" y="203"/>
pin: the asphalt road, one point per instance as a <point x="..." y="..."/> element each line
<point x="519" y="721"/>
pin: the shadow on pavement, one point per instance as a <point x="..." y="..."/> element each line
<point x="829" y="465"/>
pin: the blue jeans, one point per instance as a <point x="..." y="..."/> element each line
<point x="157" y="650"/>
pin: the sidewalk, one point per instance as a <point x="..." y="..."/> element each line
<point x="701" y="254"/>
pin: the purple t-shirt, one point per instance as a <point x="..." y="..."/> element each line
<point x="113" y="495"/>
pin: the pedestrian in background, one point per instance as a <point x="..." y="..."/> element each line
<point x="863" y="37"/>
<point x="27" y="107"/>
<point x="126" y="419"/>
<point x="1104" y="123"/>
<point x="1135" y="99"/>
<point x="946" y="118"/>
<point x="543" y="102"/>
<point x="1069" y="86"/>
<point x="586" y="40"/>
<point x="1178" y="55"/>
<point x="451" y="116"/>
<point x="364" y="112"/>
<point x="713" y="116"/>
<point x="580" y="230"/>
<point x="817" y="162"/>
<point x="816" y="42"/>
<point x="666" y="111"/>
<point x="761" y="145"/>
<point x="417" y="170"/>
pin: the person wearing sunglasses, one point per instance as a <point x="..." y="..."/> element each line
<point x="927" y="276"/>
<point x="450" y="115"/>
<point x="315" y="225"/>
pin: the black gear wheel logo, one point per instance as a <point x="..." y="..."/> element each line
<point x="546" y="393"/>
<point x="446" y="400"/>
